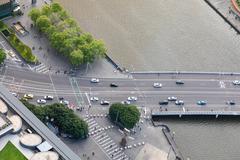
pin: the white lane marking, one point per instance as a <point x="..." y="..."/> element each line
<point x="184" y="109"/>
<point x="222" y="84"/>
<point x="89" y="102"/>
<point x="53" y="86"/>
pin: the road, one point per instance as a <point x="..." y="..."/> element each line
<point x="216" y="89"/>
<point x="213" y="88"/>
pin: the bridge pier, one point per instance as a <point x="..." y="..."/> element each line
<point x="216" y="115"/>
<point x="180" y="115"/>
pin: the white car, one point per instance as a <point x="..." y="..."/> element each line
<point x="179" y="102"/>
<point x="157" y="85"/>
<point x="126" y="102"/>
<point x="172" y="98"/>
<point x="65" y="102"/>
<point x="48" y="97"/>
<point x="103" y="102"/>
<point x="94" y="99"/>
<point x="132" y="98"/>
<point x="41" y="101"/>
<point x="14" y="94"/>
<point x="236" y="82"/>
<point x="94" y="80"/>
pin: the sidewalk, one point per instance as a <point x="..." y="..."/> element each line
<point x="227" y="10"/>
<point x="51" y="62"/>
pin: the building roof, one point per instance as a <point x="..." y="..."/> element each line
<point x="37" y="125"/>
<point x="43" y="147"/>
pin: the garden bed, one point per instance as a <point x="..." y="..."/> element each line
<point x="23" y="50"/>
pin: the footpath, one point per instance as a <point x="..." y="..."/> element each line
<point x="226" y="10"/>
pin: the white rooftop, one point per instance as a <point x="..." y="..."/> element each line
<point x="45" y="146"/>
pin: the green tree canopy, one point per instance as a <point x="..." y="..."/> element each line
<point x="2" y="56"/>
<point x="64" y="118"/>
<point x="66" y="36"/>
<point x="56" y="7"/>
<point x="43" y="23"/>
<point x="76" y="57"/>
<point x="126" y="115"/>
<point x="34" y="14"/>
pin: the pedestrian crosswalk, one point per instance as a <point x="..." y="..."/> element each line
<point x="40" y="68"/>
<point x="103" y="140"/>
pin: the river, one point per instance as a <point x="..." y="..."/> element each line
<point x="169" y="35"/>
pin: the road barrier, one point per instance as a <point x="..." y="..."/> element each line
<point x="186" y="72"/>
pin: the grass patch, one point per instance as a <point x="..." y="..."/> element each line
<point x="10" y="152"/>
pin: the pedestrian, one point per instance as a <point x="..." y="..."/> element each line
<point x="93" y="153"/>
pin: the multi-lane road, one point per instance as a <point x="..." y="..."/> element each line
<point x="215" y="89"/>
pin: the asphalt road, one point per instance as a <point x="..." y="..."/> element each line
<point x="215" y="89"/>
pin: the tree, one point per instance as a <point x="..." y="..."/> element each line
<point x="76" y="57"/>
<point x="2" y="56"/>
<point x="1" y="24"/>
<point x="126" y="115"/>
<point x="43" y="23"/>
<point x="55" y="7"/>
<point x="34" y="14"/>
<point x="64" y="118"/>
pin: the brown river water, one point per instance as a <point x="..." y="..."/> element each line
<point x="164" y="35"/>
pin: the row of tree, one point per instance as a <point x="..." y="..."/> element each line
<point x="66" y="36"/>
<point x="64" y="118"/>
<point x="125" y="115"/>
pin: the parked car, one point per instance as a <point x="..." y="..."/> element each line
<point x="126" y="102"/>
<point x="65" y="102"/>
<point x="201" y="102"/>
<point x="164" y="102"/>
<point x="94" y="99"/>
<point x="179" y="82"/>
<point x="48" y="97"/>
<point x="103" y="102"/>
<point x="28" y="96"/>
<point x="179" y="102"/>
<point x="41" y="101"/>
<point x="94" y="80"/>
<point x="231" y="102"/>
<point x="113" y="85"/>
<point x="236" y="82"/>
<point x="157" y="85"/>
<point x="172" y="98"/>
<point x="132" y="98"/>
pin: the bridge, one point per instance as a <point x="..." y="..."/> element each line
<point x="160" y="114"/>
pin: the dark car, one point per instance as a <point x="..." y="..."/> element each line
<point x="61" y="98"/>
<point x="230" y="103"/>
<point x="179" y="82"/>
<point x="201" y="102"/>
<point x="113" y="85"/>
<point x="164" y="102"/>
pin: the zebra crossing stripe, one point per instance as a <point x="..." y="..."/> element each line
<point x="111" y="149"/>
<point x="115" y="157"/>
<point x="108" y="146"/>
<point x="102" y="142"/>
<point x="107" y="143"/>
<point x="103" y="137"/>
